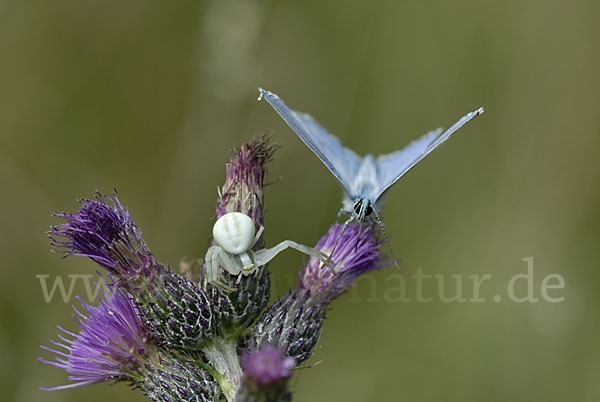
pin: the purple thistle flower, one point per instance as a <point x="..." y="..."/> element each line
<point x="267" y="365"/>
<point x="175" y="310"/>
<point x="102" y="230"/>
<point x="357" y="252"/>
<point x="112" y="344"/>
<point x="266" y="375"/>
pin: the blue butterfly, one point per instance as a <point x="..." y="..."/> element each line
<point x="363" y="179"/>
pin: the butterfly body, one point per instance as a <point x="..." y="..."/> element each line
<point x="364" y="179"/>
<point x="359" y="199"/>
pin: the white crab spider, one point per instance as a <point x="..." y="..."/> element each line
<point x="235" y="236"/>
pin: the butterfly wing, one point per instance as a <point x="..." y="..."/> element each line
<point x="341" y="161"/>
<point x="392" y="167"/>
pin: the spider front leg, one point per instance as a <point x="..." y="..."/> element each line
<point x="211" y="266"/>
<point x="257" y="235"/>
<point x="246" y="258"/>
<point x="215" y="257"/>
<point x="263" y="256"/>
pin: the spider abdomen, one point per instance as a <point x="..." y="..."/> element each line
<point x="234" y="232"/>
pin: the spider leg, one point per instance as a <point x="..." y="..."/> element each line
<point x="223" y="287"/>
<point x="265" y="255"/>
<point x="209" y="267"/>
<point x="258" y="234"/>
<point x="228" y="263"/>
<point x="223" y="259"/>
<point x="215" y="257"/>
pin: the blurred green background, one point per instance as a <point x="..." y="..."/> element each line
<point x="148" y="97"/>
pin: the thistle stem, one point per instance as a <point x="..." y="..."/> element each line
<point x="222" y="355"/>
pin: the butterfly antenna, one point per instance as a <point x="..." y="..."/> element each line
<point x="387" y="241"/>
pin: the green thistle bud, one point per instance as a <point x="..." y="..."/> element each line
<point x="176" y="380"/>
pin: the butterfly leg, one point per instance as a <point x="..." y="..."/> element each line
<point x="344" y="227"/>
<point x="358" y="237"/>
<point x="387" y="240"/>
<point x="362" y="233"/>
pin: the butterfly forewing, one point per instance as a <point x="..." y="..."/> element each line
<point x="341" y="161"/>
<point x="393" y="166"/>
<point x="363" y="178"/>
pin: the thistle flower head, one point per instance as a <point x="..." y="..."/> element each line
<point x="267" y="366"/>
<point x="245" y="178"/>
<point x="178" y="314"/>
<point x="112" y="344"/>
<point x="357" y="252"/>
<point x="174" y="379"/>
<point x="292" y="323"/>
<point x="243" y="191"/>
<point x="102" y="230"/>
<point x="266" y="375"/>
<point x="295" y="321"/>
<point x="173" y="308"/>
